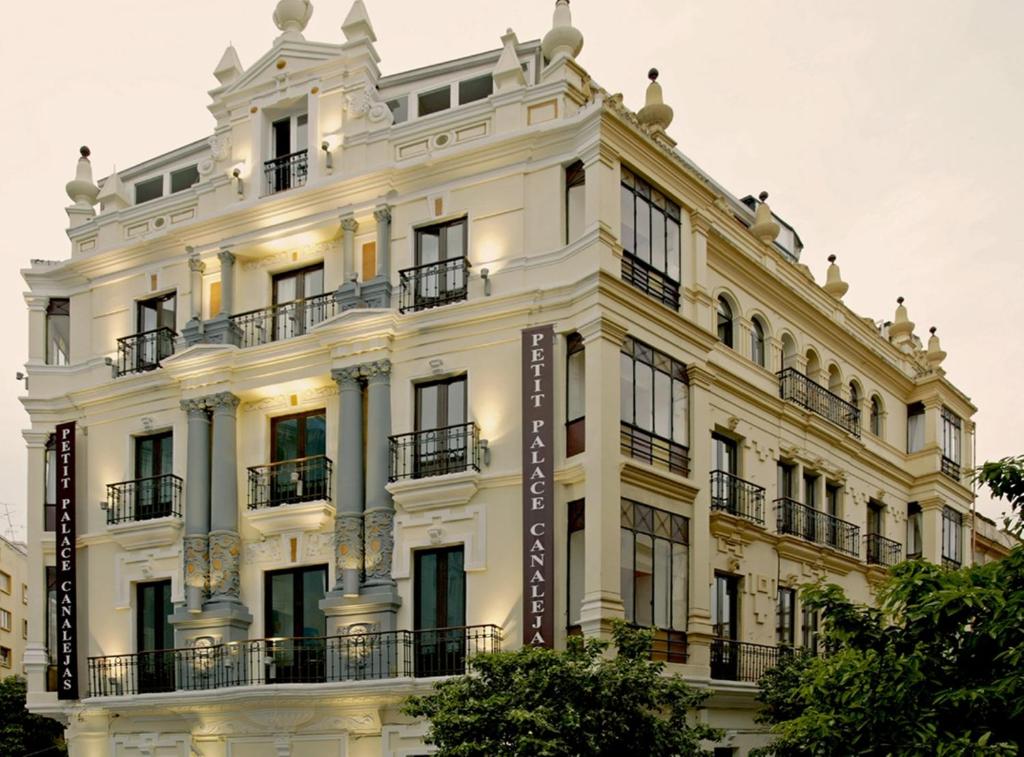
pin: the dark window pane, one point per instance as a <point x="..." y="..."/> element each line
<point x="435" y="102"/>
<point x="150" y="189"/>
<point x="472" y="90"/>
<point x="184" y="178"/>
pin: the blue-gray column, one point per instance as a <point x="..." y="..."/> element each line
<point x="225" y="543"/>
<point x="348" y="485"/>
<point x="380" y="510"/>
<point x="197" y="503"/>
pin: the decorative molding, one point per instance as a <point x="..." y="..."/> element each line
<point x="457" y="525"/>
<point x="452" y="490"/>
<point x="319" y="250"/>
<point x="134" y="567"/>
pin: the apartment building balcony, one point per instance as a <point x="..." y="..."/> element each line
<point x="286" y="172"/>
<point x="951" y="468"/>
<point x="744" y="661"/>
<point x="882" y="551"/>
<point x="732" y="495"/>
<point x="285" y="321"/>
<point x="143" y="352"/>
<point x="817" y="527"/>
<point x="801" y="390"/>
<point x="653" y="449"/>
<point x="293" y="661"/>
<point x="144" y="512"/>
<point x="433" y="285"/>
<point x="435" y="452"/>
<point x="650" y="280"/>
<point x="290" y="495"/>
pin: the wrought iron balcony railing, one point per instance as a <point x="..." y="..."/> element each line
<point x="324" y="659"/>
<point x="435" y="452"/>
<point x="654" y="450"/>
<point x="735" y="496"/>
<point x="882" y="551"/>
<point x="795" y="518"/>
<point x="284" y="321"/>
<point x="144" y="499"/>
<point x="143" y="352"/>
<point x="798" y="388"/>
<point x="650" y="280"/>
<point x="286" y="172"/>
<point x="743" y="661"/>
<point x="433" y="284"/>
<point x="950" y="468"/>
<point x="305" y="479"/>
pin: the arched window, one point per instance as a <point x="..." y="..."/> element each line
<point x="724" y="322"/>
<point x="757" y="351"/>
<point x="813" y="365"/>
<point x="854" y="395"/>
<point x="876" y="416"/>
<point x="788" y="351"/>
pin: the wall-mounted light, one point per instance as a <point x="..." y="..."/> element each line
<point x="485" y="274"/>
<point x="485" y="452"/>
<point x="104" y="505"/>
<point x="237" y="174"/>
<point x="109" y="362"/>
<point x="22" y="377"/>
<point x="330" y="143"/>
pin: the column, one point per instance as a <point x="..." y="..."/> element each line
<point x="703" y="305"/>
<point x="602" y="597"/>
<point x="699" y="624"/>
<point x="382" y="215"/>
<point x="380" y="509"/>
<point x="225" y="543"/>
<point x="348" y="520"/>
<point x="349" y="227"/>
<point x="193" y="330"/>
<point x="227" y="282"/>
<point x="197" y="504"/>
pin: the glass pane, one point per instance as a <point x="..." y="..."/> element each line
<point x="680" y="413"/>
<point x="455" y="241"/>
<point x="316" y="435"/>
<point x="147" y="615"/>
<point x="575" y="212"/>
<point x="184" y="178"/>
<point x="663" y="405"/>
<point x="576" y="389"/>
<point x="456" y="591"/>
<point x="643" y="579"/>
<point x="285" y="289"/>
<point x="427" y="411"/>
<point x="472" y="90"/>
<point x="626" y="387"/>
<point x="144" y="462"/>
<point x="313" y="283"/>
<point x="680" y="579"/>
<point x="148" y="317"/>
<point x="51" y="476"/>
<point x="626" y="579"/>
<point x="301" y="133"/>
<point x="644" y="396"/>
<point x="282" y="605"/>
<point x="428" y="246"/>
<point x="314" y="585"/>
<point x="672" y="261"/>
<point x="58" y="331"/>
<point x="577" y="568"/>
<point x="150" y="189"/>
<point x="456" y="403"/>
<point x="662" y="583"/>
<point x="643" y="230"/>
<point x="426" y="583"/>
<point x="286" y="440"/>
<point x="627" y="236"/>
<point x="434" y="102"/>
<point x="166" y="456"/>
<point x="658" y="240"/>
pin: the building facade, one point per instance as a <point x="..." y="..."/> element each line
<point x="294" y="357"/>
<point x="14" y="614"/>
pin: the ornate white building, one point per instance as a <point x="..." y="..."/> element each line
<point x="472" y="347"/>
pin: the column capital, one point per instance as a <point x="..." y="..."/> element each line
<point x="382" y="214"/>
<point x="349" y="223"/>
<point x="599" y="153"/>
<point x="602" y="327"/>
<point x="195" y="264"/>
<point x="700" y="222"/>
<point x="197" y="405"/>
<point x="378" y="371"/>
<point x="226" y="257"/>
<point x="700" y="376"/>
<point x="223" y="401"/>
<point x="347" y="377"/>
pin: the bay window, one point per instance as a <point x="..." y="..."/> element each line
<point x="654" y="398"/>
<point x="651" y="239"/>
<point x="58" y="331"/>
<point x="575" y="401"/>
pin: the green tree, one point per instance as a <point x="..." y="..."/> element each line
<point x="1005" y="480"/>
<point x="544" y="703"/>
<point x="22" y="733"/>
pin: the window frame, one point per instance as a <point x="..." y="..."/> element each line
<point x="876" y="416"/>
<point x="952" y="435"/>
<point x="6" y="619"/>
<point x="725" y="585"/>
<point x="300" y="433"/>
<point x="633" y="524"/>
<point x="725" y="321"/>
<point x="916" y="427"/>
<point x="575" y="366"/>
<point x="6" y="582"/>
<point x="634" y="352"/>
<point x="639" y="190"/>
<point x="952" y="536"/>
<point x="575" y="178"/>
<point x="297" y="574"/>
<point x="915" y="530"/>
<point x="758" y="343"/>
<point x="58" y="307"/>
<point x="192" y="170"/>
<point x="152" y="181"/>
<point x="785" y="617"/>
<point x="576" y="520"/>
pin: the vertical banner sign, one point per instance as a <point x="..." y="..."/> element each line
<point x="67" y="605"/>
<point x="538" y="486"/>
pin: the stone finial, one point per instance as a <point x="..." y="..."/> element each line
<point x="935" y="354"/>
<point x="508" y="74"/>
<point x="834" y="284"/>
<point x="902" y="327"/>
<point x="292" y="16"/>
<point x="82" y="191"/>
<point x="356" y="26"/>
<point x="655" y="113"/>
<point x="765" y="227"/>
<point x="112" y="194"/>
<point x="564" y="38"/>
<point x="229" y="68"/>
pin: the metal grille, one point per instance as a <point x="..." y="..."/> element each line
<point x="433" y="284"/>
<point x="796" y="387"/>
<point x="654" y="450"/>
<point x="743" y="661"/>
<point x="144" y="499"/>
<point x="735" y="496"/>
<point x="284" y="321"/>
<point x="815" y="526"/>
<point x="144" y="351"/>
<point x="650" y="280"/>
<point x="435" y="452"/>
<point x="882" y="551"/>
<point x="286" y="172"/>
<point x="305" y="479"/>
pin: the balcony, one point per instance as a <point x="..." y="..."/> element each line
<point x="284" y="321"/>
<point x="743" y="661"/>
<point x="882" y="551"/>
<point x="306" y="479"/>
<point x="143" y="352"/>
<point x="798" y="388"/>
<point x="650" y="280"/>
<point x="436" y="452"/>
<point x="295" y="661"/>
<point x="735" y="496"/>
<point x="951" y="468"/>
<point x="286" y="172"/>
<point x="144" y="499"/>
<point x="654" y="450"/>
<point x="815" y="526"/>
<point x="433" y="285"/>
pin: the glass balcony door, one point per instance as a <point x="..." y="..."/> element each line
<point x="295" y="626"/>
<point x="440" y="603"/>
<point x="434" y="246"/>
<point x="295" y="438"/>
<point x="293" y="314"/>
<point x="154" y="459"/>
<point x="441" y="436"/>
<point x="155" y="636"/>
<point x="725" y="620"/>
<point x="724" y="458"/>
<point x="151" y="315"/>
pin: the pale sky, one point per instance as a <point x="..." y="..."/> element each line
<point x="888" y="133"/>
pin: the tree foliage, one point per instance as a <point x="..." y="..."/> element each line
<point x="21" y="732"/>
<point x="545" y="703"/>
<point x="1005" y="479"/>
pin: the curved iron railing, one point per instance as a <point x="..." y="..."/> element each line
<point x="144" y="499"/>
<point x="286" y="172"/>
<point x="798" y="519"/>
<point x="882" y="551"/>
<point x="735" y="496"/>
<point x="305" y="479"/>
<point x="433" y="284"/>
<point x="796" y="387"/>
<point x="143" y="351"/>
<point x="284" y="321"/>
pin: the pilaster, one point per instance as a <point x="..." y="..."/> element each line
<point x="193" y="330"/>
<point x="348" y="522"/>
<point x="225" y="543"/>
<point x="221" y="329"/>
<point x="699" y="628"/>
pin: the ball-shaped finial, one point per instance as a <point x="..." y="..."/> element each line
<point x="84" y="151"/>
<point x="653" y="74"/>
<point x="831" y="258"/>
<point x="763" y="196"/>
<point x="899" y="300"/>
<point x="932" y="330"/>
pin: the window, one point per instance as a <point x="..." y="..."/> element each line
<point x="809" y="634"/>
<point x="757" y="343"/>
<point x="854" y="395"/>
<point x="58" y="331"/>
<point x="650" y="238"/>
<point x="914" y="526"/>
<point x="150" y="189"/>
<point x="292" y="614"/>
<point x="184" y="178"/>
<point x="5" y="582"/>
<point x="725" y="607"/>
<point x="655" y="573"/>
<point x="875" y="519"/>
<point x="876" y="416"/>
<point x="50" y="484"/>
<point x="50" y="620"/>
<point x="723" y="454"/>
<point x="785" y="617"/>
<point x="952" y="537"/>
<point x="575" y="201"/>
<point x="833" y="495"/>
<point x="575" y="396"/>
<point x="399" y="108"/>
<point x="6" y="657"/>
<point x="24" y="628"/>
<point x="24" y="594"/>
<point x="654" y="397"/>
<point x="439" y="603"/>
<point x="155" y="327"/>
<point x="472" y="90"/>
<point x="951" y="426"/>
<point x="298" y="470"/>
<point x="298" y="306"/>
<point x="5" y="620"/>
<point x="915" y="427"/>
<point x="289" y="153"/>
<point x="786" y="480"/>
<point x="434" y="101"/>
<point x="289" y="135"/>
<point x="154" y="462"/>
<point x="576" y="559"/>
<point x="724" y="322"/>
<point x="440" y="273"/>
<point x="442" y="436"/>
<point x="726" y="493"/>
<point x="811" y="490"/>
<point x="154" y="635"/>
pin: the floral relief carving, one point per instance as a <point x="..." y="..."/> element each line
<point x="348" y="540"/>
<point x="195" y="562"/>
<point x="317" y="545"/>
<point x="379" y="544"/>
<point x="225" y="547"/>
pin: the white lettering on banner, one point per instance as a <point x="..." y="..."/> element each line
<point x="67" y="631"/>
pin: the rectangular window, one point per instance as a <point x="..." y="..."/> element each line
<point x="915" y="427"/>
<point x="434" y="101"/>
<point x="952" y="537"/>
<point x="150" y="189"/>
<point x="184" y="178"/>
<point x="576" y="559"/>
<point x="809" y="634"/>
<point x="297" y="301"/>
<point x="24" y="628"/>
<point x="786" y="480"/>
<point x="440" y="273"/>
<point x="154" y="463"/>
<point x="651" y="239"/>
<point x="5" y="582"/>
<point x="58" y="331"/>
<point x="654" y="396"/>
<point x="575" y="396"/>
<point x="443" y="436"/>
<point x="6" y="657"/>
<point x="154" y="636"/>
<point x="6" y="620"/>
<point x="472" y="90"/>
<point x="811" y="490"/>
<point x="914" y="526"/>
<point x="951" y="438"/>
<point x="575" y="201"/>
<point x="50" y="484"/>
<point x="725" y="607"/>
<point x="785" y="617"/>
<point x="875" y="519"/>
<point x="292" y="616"/>
<point x="439" y="603"/>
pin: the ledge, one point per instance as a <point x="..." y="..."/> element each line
<point x="146" y="534"/>
<point x="300" y="516"/>
<point x="452" y="490"/>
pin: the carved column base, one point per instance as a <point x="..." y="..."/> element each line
<point x="348" y="553"/>
<point x="197" y="567"/>
<point x="377" y="293"/>
<point x="378" y="543"/>
<point x="225" y="583"/>
<point x="193" y="333"/>
<point x="222" y="330"/>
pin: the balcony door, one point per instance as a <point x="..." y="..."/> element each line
<point x="441" y="277"/>
<point x="151" y="345"/>
<point x="725" y="620"/>
<point x="724" y="458"/>
<point x="294" y="314"/>
<point x="440" y="612"/>
<point x="294" y="625"/>
<point x="289" y="145"/>
<point x="441" y="435"/>
<point x="155" y="636"/>
<point x="298" y="471"/>
<point x="154" y="463"/>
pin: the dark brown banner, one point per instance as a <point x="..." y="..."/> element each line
<point x="538" y="486"/>
<point x="67" y="602"/>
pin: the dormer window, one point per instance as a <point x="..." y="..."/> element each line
<point x="150" y="189"/>
<point x="434" y="101"/>
<point x="289" y="149"/>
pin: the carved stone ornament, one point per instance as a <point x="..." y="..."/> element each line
<point x="220" y="146"/>
<point x="347" y="375"/>
<point x="379" y="541"/>
<point x="195" y="265"/>
<point x="225" y="547"/>
<point x="223" y="401"/>
<point x="382" y="214"/>
<point x="195" y="405"/>
<point x="268" y="550"/>
<point x="348" y="540"/>
<point x="195" y="561"/>
<point x="378" y="369"/>
<point x="316" y="546"/>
